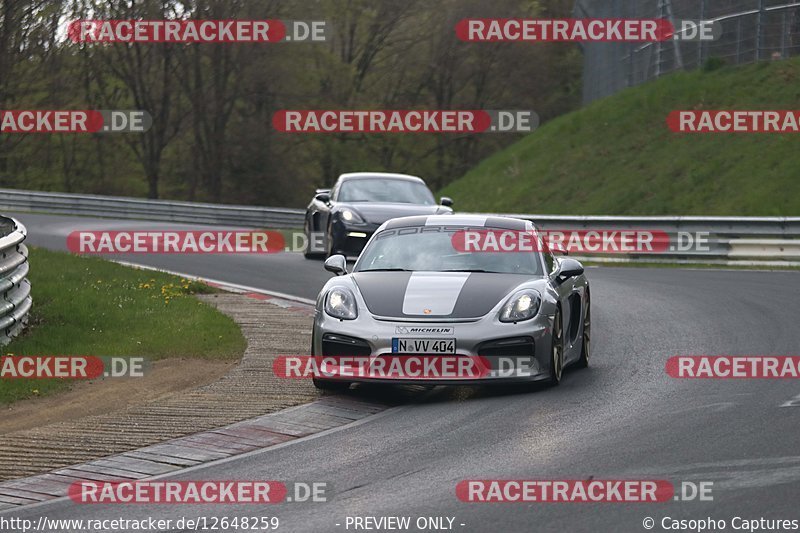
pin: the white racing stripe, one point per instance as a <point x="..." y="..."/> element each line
<point x="455" y="220"/>
<point x="435" y="292"/>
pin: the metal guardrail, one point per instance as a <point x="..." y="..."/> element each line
<point x="15" y="290"/>
<point x="159" y="210"/>
<point x="770" y="241"/>
<point x="767" y="241"/>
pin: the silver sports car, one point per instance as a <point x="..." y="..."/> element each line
<point x="524" y="313"/>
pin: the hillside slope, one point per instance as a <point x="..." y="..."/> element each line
<point x="617" y="156"/>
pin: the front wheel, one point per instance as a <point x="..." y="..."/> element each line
<point x="330" y="244"/>
<point x="557" y="351"/>
<point x="307" y="253"/>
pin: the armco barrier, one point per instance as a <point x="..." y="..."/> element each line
<point x="15" y="290"/>
<point x="771" y="241"/>
<point x="160" y="210"/>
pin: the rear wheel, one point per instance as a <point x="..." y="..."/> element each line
<point x="583" y="362"/>
<point x="557" y="350"/>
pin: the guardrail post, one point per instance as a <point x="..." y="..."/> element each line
<point x="630" y="67"/>
<point x="784" y="32"/>
<point x="738" y="40"/>
<point x="759" y="30"/>
<point x="700" y="43"/>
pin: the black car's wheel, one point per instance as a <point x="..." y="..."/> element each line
<point x="308" y="253"/>
<point x="557" y="351"/>
<point x="330" y="243"/>
<point x="330" y="385"/>
<point x="586" y="345"/>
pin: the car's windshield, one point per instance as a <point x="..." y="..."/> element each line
<point x="428" y="248"/>
<point x="385" y="190"/>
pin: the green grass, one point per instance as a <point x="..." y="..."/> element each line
<point x="88" y="306"/>
<point x="617" y="156"/>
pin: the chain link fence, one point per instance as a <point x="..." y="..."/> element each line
<point x="752" y="30"/>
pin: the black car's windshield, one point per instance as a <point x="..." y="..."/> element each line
<point x="385" y="190"/>
<point x="421" y="249"/>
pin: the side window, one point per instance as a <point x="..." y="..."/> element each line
<point x="549" y="260"/>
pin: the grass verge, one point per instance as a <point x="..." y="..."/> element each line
<point x="89" y="306"/>
<point x="617" y="156"/>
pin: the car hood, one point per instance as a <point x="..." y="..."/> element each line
<point x="434" y="294"/>
<point x="378" y="213"/>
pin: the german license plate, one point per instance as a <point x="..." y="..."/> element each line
<point x="424" y="346"/>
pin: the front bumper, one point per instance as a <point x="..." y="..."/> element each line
<point x="350" y="239"/>
<point x="514" y="352"/>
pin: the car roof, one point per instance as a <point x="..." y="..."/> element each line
<point x="471" y="221"/>
<point x="388" y="175"/>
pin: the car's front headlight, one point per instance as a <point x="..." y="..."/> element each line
<point x="340" y="303"/>
<point x="523" y="305"/>
<point x="349" y="215"/>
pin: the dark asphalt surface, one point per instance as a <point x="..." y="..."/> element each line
<point x="289" y="273"/>
<point x="622" y="418"/>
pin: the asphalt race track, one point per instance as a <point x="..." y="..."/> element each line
<point x="281" y="272"/>
<point x="623" y="418"/>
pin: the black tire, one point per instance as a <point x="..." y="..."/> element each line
<point x="330" y="249"/>
<point x="330" y="385"/>
<point x="557" y="351"/>
<point x="586" y="343"/>
<point x="307" y="253"/>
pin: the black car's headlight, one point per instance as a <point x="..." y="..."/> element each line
<point x="340" y="303"/>
<point x="348" y="215"/>
<point x="523" y="305"/>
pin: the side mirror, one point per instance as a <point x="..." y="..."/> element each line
<point x="446" y="201"/>
<point x="569" y="268"/>
<point x="324" y="197"/>
<point x="338" y="264"/>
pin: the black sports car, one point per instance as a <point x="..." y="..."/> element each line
<point x="341" y="220"/>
